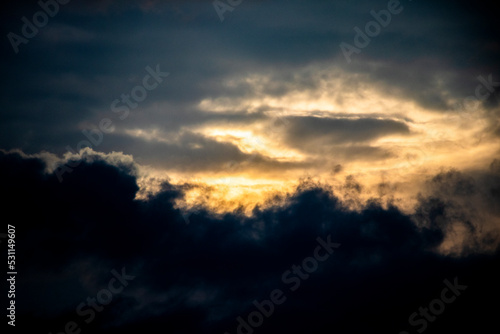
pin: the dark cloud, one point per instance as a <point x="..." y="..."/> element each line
<point x="89" y="54"/>
<point x="188" y="151"/>
<point x="348" y="138"/>
<point x="199" y="277"/>
<point x="342" y="131"/>
<point x="197" y="272"/>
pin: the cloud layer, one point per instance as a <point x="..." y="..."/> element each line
<point x="209" y="186"/>
<point x="198" y="273"/>
<point x="243" y="73"/>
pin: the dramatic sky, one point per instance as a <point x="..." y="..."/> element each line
<point x="204" y="147"/>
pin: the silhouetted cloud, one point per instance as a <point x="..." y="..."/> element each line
<point x="393" y="155"/>
<point x="199" y="277"/>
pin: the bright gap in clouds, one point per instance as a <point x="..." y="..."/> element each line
<point x="263" y="139"/>
<point x="423" y="142"/>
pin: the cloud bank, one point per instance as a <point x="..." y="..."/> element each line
<point x="202" y="274"/>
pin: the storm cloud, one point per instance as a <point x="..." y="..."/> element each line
<point x="201" y="274"/>
<point x="205" y="193"/>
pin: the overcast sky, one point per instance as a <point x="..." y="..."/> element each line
<point x="233" y="85"/>
<point x="256" y="117"/>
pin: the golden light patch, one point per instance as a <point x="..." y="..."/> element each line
<point x="254" y="141"/>
<point x="225" y="196"/>
<point x="436" y="139"/>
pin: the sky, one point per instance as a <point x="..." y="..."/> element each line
<point x="211" y="149"/>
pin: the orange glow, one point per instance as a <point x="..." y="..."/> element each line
<point x="436" y="140"/>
